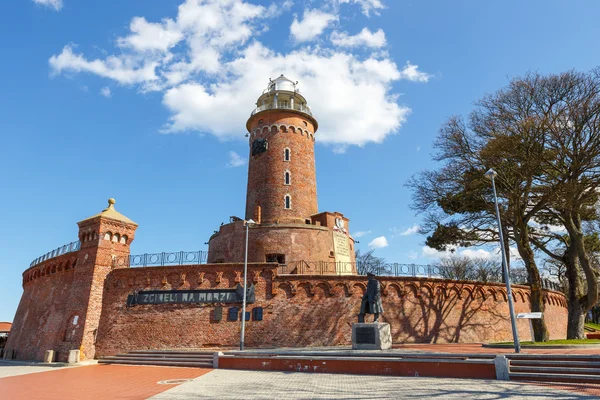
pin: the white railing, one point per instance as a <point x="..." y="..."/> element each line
<point x="283" y="106"/>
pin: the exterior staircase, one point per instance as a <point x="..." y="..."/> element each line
<point x="170" y="358"/>
<point x="555" y="368"/>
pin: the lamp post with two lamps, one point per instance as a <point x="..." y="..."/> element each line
<point x="248" y="224"/>
<point x="491" y="174"/>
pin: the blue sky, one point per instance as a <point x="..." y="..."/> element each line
<point x="146" y="101"/>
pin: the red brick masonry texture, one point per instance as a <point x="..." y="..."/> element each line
<point x="298" y="310"/>
<point x="308" y="310"/>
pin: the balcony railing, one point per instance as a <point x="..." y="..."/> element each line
<point x="67" y="248"/>
<point x="283" y="106"/>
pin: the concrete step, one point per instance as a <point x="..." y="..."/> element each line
<point x="172" y="352"/>
<point x="551" y="363"/>
<point x="547" y="377"/>
<point x="169" y="359"/>
<point x="169" y="363"/>
<point x="557" y="370"/>
<point x="162" y="355"/>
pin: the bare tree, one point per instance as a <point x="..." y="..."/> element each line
<point x="469" y="269"/>
<point x="368" y="263"/>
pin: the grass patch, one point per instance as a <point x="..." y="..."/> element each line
<point x="593" y="326"/>
<point x="556" y="342"/>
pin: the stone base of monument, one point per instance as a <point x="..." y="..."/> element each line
<point x="371" y="336"/>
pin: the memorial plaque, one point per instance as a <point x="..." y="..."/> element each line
<point x="341" y="249"/>
<point x="365" y="335"/>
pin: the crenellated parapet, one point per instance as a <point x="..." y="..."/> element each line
<point x="267" y="131"/>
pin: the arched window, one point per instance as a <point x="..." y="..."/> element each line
<point x="116" y="238"/>
<point x="124" y="239"/>
<point x="108" y="236"/>
<point x="286" y="154"/>
<point x="287" y="178"/>
<point x="287" y="201"/>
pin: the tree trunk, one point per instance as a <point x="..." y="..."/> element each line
<point x="577" y="310"/>
<point x="583" y="295"/>
<point x="540" y="331"/>
<point x="576" y="321"/>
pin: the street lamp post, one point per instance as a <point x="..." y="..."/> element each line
<point x="248" y="224"/>
<point x="491" y="174"/>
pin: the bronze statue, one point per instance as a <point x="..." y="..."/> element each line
<point x="371" y="301"/>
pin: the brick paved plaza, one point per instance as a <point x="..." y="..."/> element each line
<point x="28" y="381"/>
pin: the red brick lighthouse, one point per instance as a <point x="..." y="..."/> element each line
<point x="282" y="193"/>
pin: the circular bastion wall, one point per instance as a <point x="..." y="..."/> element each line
<point x="309" y="310"/>
<point x="43" y="320"/>
<point x="298" y="242"/>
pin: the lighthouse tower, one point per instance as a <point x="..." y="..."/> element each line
<point x="281" y="195"/>
<point x="282" y="185"/>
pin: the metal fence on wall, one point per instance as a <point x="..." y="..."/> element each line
<point x="161" y="259"/>
<point x="342" y="268"/>
<point x="409" y="270"/>
<point x="67" y="248"/>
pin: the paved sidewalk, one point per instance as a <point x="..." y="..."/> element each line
<point x="95" y="382"/>
<point x="235" y="384"/>
<point x="14" y="368"/>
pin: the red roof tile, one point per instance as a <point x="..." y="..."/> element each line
<point x="5" y="326"/>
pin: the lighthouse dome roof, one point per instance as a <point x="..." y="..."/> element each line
<point x="282" y="83"/>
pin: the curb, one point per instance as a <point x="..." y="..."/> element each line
<point x="528" y="346"/>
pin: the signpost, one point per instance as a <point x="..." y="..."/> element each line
<point x="530" y="316"/>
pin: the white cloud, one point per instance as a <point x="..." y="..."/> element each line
<point x="210" y="66"/>
<point x="412" y="73"/>
<point x="56" y="4"/>
<point x="124" y="70"/>
<point x="410" y="231"/>
<point x="148" y="36"/>
<point x="378" y="243"/>
<point x="559" y="229"/>
<point x="360" y="234"/>
<point x="312" y="25"/>
<point x="364" y="38"/>
<point x="367" y="6"/>
<point x="223" y="107"/>
<point x="478" y="253"/>
<point x="105" y="91"/>
<point x="235" y="160"/>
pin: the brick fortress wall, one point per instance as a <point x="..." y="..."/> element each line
<point x="40" y="323"/>
<point x="308" y="310"/>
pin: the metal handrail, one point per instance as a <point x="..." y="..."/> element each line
<point x="59" y="251"/>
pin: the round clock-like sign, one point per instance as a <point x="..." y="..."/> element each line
<point x="339" y="223"/>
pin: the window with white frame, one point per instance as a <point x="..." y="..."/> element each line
<point x="287" y="201"/>
<point x="287" y="154"/>
<point x="287" y="179"/>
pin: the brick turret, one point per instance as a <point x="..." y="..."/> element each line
<point x="103" y="236"/>
<point x="281" y="170"/>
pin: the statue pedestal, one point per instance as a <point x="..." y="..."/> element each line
<point x="371" y="336"/>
